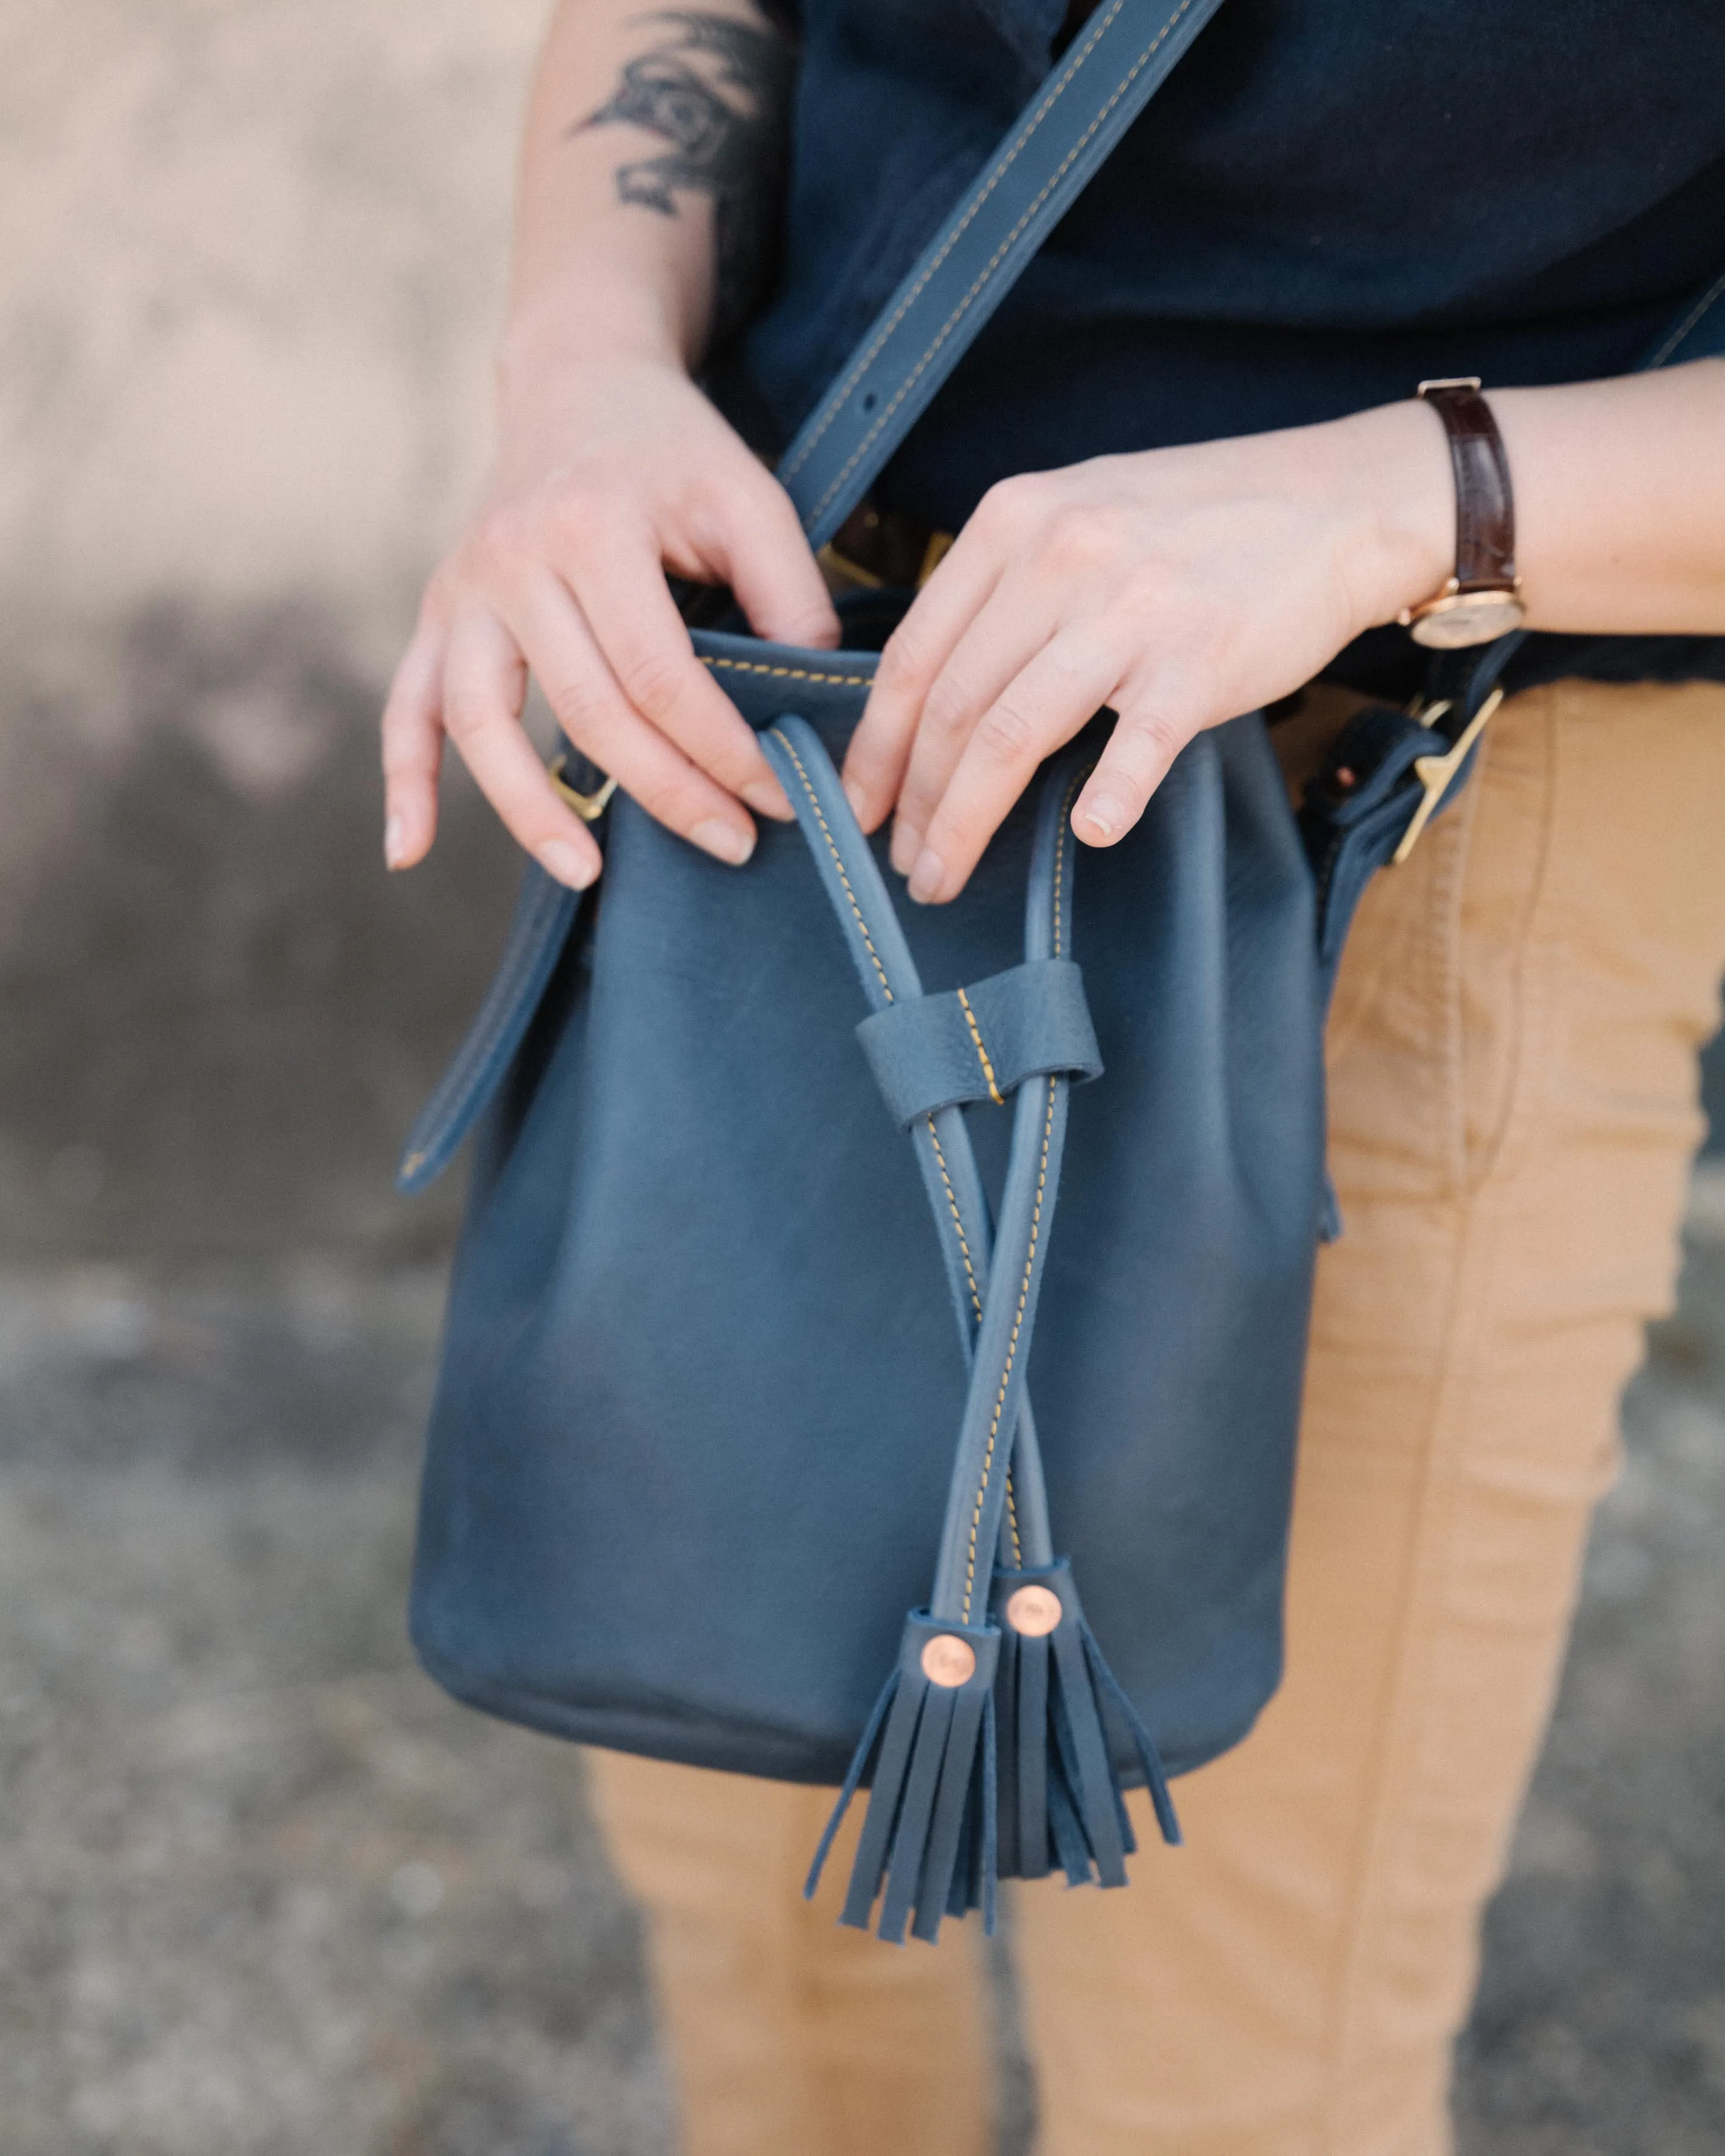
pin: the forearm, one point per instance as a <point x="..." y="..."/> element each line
<point x="649" y="161"/>
<point x="647" y="214"/>
<point x="1619" y="498"/>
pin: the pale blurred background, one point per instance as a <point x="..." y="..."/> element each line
<point x="263" y="1891"/>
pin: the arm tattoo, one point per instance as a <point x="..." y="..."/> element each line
<point x="718" y="91"/>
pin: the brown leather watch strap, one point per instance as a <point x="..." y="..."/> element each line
<point x="1485" y="507"/>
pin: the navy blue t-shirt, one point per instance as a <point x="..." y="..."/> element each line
<point x="1328" y="200"/>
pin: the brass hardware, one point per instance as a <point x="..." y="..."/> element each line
<point x="940" y="545"/>
<point x="588" y="807"/>
<point x="1435" y="773"/>
<point x="847" y="575"/>
<point x="844" y="573"/>
<point x="1032" y="1610"/>
<point x="948" y="1661"/>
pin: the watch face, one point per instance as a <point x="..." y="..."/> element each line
<point x="1450" y="624"/>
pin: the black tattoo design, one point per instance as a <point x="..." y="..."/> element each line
<point x="718" y="91"/>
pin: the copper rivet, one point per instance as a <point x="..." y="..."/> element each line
<point x="949" y="1662"/>
<point x="1035" y="1610"/>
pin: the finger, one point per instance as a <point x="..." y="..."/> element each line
<point x="599" y="719"/>
<point x="771" y="568"/>
<point x="622" y="595"/>
<point x="1055" y="697"/>
<point x="879" y="752"/>
<point x="412" y="745"/>
<point x="993" y="652"/>
<point x="484" y="686"/>
<point x="1146" y="738"/>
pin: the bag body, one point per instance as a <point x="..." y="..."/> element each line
<point x="693" y="1433"/>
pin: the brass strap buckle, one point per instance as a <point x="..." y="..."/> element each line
<point x="1437" y="773"/>
<point x="850" y="575"/>
<point x="588" y="807"/>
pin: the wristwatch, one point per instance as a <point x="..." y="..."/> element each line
<point x="1482" y="599"/>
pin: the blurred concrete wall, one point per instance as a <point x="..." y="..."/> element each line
<point x="253" y="257"/>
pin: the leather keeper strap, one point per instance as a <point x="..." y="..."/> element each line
<point x="981" y="1043"/>
<point x="1484" y="506"/>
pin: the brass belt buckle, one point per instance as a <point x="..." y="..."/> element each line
<point x="588" y="807"/>
<point x="1435" y="773"/>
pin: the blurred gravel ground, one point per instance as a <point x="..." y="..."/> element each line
<point x="267" y="1893"/>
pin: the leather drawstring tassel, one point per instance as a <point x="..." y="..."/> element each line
<point x="929" y="1842"/>
<point x="1061" y="1800"/>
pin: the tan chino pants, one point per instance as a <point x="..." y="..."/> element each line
<point x="1513" y="1112"/>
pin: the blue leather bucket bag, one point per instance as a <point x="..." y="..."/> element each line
<point x="763" y="1259"/>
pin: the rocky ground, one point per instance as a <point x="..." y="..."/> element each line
<point x="262" y="1891"/>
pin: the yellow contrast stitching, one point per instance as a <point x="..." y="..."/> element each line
<point x="863" y="929"/>
<point x="841" y="395"/>
<point x="940" y="1161"/>
<point x="995" y="260"/>
<point x="788" y="673"/>
<point x="1011" y="1347"/>
<point x="994" y="1093"/>
<point x="838" y="859"/>
<point x="1059" y="867"/>
<point x="1060" y="878"/>
<point x="1012" y="1522"/>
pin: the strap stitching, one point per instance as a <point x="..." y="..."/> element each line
<point x="1012" y="1347"/>
<point x="841" y="395"/>
<point x="995" y="1092"/>
<point x="1076" y="780"/>
<point x="1006" y="246"/>
<point x="1060" y="864"/>
<point x="862" y="926"/>
<point x="788" y="673"/>
<point x="940" y="1161"/>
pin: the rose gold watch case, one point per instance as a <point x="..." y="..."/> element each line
<point x="1454" y="619"/>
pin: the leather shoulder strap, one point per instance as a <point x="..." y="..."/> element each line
<point x="1123" y="55"/>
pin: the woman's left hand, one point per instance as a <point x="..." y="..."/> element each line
<point x="1179" y="587"/>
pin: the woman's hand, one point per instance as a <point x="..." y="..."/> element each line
<point x="613" y="468"/>
<point x="1179" y="587"/>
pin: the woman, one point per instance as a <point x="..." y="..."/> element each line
<point x="1233" y="496"/>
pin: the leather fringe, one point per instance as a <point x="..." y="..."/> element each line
<point x="929" y="1846"/>
<point x="1061" y="1802"/>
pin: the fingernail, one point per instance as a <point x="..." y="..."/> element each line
<point x="392" y="842"/>
<point x="907" y="845"/>
<point x="927" y="876"/>
<point x="1104" y="815"/>
<point x="723" y="841"/>
<point x="766" y="797"/>
<point x="558" y="858"/>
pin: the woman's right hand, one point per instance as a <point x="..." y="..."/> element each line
<point x="611" y="469"/>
